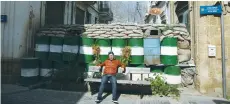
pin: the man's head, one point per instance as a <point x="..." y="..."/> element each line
<point x="111" y="55"/>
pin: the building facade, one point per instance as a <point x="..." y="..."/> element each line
<point x="205" y="30"/>
<point x="164" y="17"/>
<point x="25" y="18"/>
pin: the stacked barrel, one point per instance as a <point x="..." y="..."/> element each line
<point x="117" y="46"/>
<point x="137" y="51"/>
<point x="169" y="59"/>
<point x="54" y="45"/>
<point x="70" y="48"/>
<point x="86" y="51"/>
<point x="42" y="47"/>
<point x="29" y="71"/>
<point x="57" y="47"/>
<point x="105" y="48"/>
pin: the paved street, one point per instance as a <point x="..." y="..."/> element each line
<point x="12" y="94"/>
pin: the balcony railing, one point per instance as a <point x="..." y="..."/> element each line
<point x="105" y="11"/>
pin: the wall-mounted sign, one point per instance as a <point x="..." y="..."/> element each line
<point x="3" y="18"/>
<point x="210" y="10"/>
<point x="155" y="11"/>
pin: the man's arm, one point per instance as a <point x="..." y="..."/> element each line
<point x="101" y="66"/>
<point x="121" y="65"/>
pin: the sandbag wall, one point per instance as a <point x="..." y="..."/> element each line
<point x="127" y="31"/>
<point x="175" y="37"/>
<point x="62" y="45"/>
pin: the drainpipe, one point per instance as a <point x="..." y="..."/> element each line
<point x="223" y="56"/>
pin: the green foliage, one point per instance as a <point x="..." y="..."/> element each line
<point x="125" y="58"/>
<point x="96" y="53"/>
<point x="159" y="87"/>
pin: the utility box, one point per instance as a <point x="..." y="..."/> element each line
<point x="211" y="50"/>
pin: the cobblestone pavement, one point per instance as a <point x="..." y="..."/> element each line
<point x="12" y="94"/>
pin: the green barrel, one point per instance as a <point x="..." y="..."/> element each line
<point x="87" y="73"/>
<point x="117" y="46"/>
<point x="105" y="48"/>
<point x="156" y="70"/>
<point x="46" y="70"/>
<point x="56" y="48"/>
<point x="86" y="51"/>
<point x="172" y="74"/>
<point x="60" y="70"/>
<point x="70" y="48"/>
<point x="137" y="50"/>
<point x="169" y="51"/>
<point x="42" y="47"/>
<point x="29" y="71"/>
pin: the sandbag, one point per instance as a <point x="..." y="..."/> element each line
<point x="183" y="58"/>
<point x="182" y="29"/>
<point x="184" y="52"/>
<point x="138" y="31"/>
<point x="183" y="44"/>
<point x="91" y="30"/>
<point x="127" y="32"/>
<point x="187" y="37"/>
<point x="85" y="33"/>
<point x="111" y="32"/>
<point x="166" y="32"/>
<point x="162" y="37"/>
<point x="99" y="32"/>
<point x="170" y="35"/>
<point x="135" y="35"/>
<point x="130" y="27"/>
<point x="93" y="35"/>
<point x="179" y="37"/>
<point x="119" y="30"/>
<point x="119" y="35"/>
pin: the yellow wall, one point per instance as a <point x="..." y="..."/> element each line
<point x="207" y="31"/>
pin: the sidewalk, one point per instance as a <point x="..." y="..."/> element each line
<point x="13" y="94"/>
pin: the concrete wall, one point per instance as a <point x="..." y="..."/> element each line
<point x="23" y="20"/>
<point x="17" y="35"/>
<point x="206" y="31"/>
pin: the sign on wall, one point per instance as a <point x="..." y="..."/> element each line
<point x="3" y="18"/>
<point x="210" y="10"/>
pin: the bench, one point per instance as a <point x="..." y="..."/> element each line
<point x="129" y="70"/>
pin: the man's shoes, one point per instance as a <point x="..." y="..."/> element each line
<point x="97" y="101"/>
<point x="114" y="101"/>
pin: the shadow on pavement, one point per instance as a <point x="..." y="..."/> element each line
<point x="221" y="102"/>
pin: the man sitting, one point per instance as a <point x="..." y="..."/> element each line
<point x="109" y="74"/>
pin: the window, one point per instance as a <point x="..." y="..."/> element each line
<point x="88" y="17"/>
<point x="95" y="20"/>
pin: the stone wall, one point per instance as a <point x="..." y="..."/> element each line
<point x="207" y="31"/>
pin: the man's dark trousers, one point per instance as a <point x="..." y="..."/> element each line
<point x="104" y="80"/>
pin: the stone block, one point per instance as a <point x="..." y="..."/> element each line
<point x="219" y="63"/>
<point x="227" y="30"/>
<point x="214" y="30"/>
<point x="206" y="85"/>
<point x="227" y="41"/>
<point x="203" y="21"/>
<point x="215" y="40"/>
<point x="218" y="52"/>
<point x="202" y="48"/>
<point x="227" y="19"/>
<point x="215" y="21"/>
